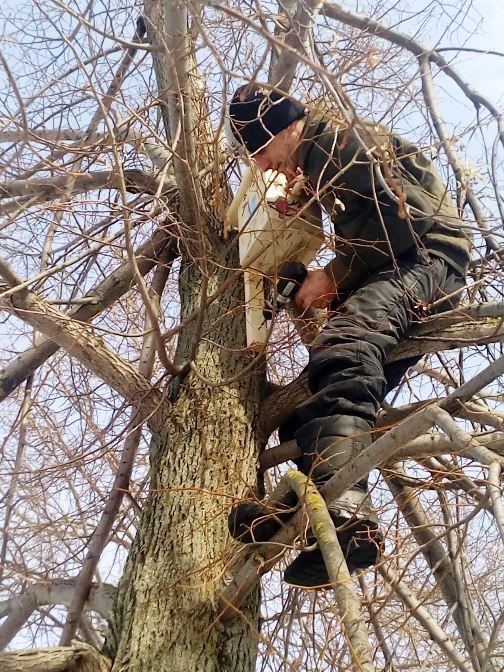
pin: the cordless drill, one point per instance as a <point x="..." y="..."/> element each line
<point x="290" y="278"/>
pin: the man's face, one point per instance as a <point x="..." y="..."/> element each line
<point x="279" y="154"/>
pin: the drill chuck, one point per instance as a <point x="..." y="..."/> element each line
<point x="290" y="278"/>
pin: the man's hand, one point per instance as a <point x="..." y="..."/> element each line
<point x="317" y="291"/>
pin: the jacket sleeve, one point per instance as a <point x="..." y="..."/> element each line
<point x="370" y="227"/>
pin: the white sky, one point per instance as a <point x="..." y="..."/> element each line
<point x="485" y="73"/>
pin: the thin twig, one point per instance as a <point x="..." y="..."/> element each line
<point x="9" y="498"/>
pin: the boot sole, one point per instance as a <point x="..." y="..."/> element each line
<point x="308" y="570"/>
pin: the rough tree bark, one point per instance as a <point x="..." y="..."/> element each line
<point x="164" y="618"/>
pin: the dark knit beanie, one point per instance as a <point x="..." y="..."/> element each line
<point x="257" y="115"/>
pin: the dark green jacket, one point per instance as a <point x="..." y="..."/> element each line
<point x="370" y="227"/>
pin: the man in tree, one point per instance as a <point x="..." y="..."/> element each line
<point x="401" y="252"/>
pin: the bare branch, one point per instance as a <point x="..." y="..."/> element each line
<point x="121" y="483"/>
<point x="297" y="38"/>
<point x="176" y="96"/>
<point x="335" y="11"/>
<point x="494" y="491"/>
<point x="424" y="446"/>
<point x="42" y="134"/>
<point x="118" y="79"/>
<point x="79" y="657"/>
<point x="47" y="189"/>
<point x="78" y="342"/>
<point x="57" y="592"/>
<point x="380" y="635"/>
<point x="464" y="442"/>
<point x="442" y="131"/>
<point x="349" y="604"/>
<point x="436" y="556"/>
<point x="422" y="615"/>
<point x="102" y="296"/>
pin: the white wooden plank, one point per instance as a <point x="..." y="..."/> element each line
<point x="254" y="304"/>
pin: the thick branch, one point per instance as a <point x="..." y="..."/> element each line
<point x="464" y="442"/>
<point x="79" y="342"/>
<point x="439" y="444"/>
<point x="469" y="411"/>
<point x="49" y="188"/>
<point x="297" y="38"/>
<point x="283" y="22"/>
<point x="77" y="658"/>
<point x="103" y="296"/>
<point x="19" y="609"/>
<point x="350" y="608"/>
<point x="173" y="64"/>
<point x="423" y="446"/>
<point x="461" y="329"/>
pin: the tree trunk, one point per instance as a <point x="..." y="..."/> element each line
<point x="165" y="618"/>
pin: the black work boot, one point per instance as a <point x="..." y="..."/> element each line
<point x="361" y="543"/>
<point x="334" y="442"/>
<point x="251" y="522"/>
